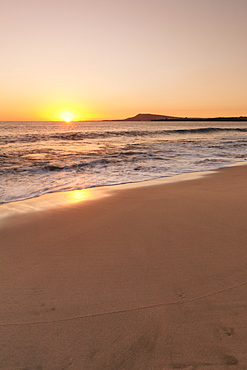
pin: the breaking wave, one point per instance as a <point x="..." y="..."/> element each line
<point x="76" y="136"/>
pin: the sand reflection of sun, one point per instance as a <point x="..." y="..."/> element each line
<point x="78" y="195"/>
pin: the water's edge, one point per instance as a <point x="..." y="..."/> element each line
<point x="69" y="198"/>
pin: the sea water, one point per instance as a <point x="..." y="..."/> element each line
<point x="44" y="157"/>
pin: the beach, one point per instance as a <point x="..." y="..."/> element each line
<point x="146" y="277"/>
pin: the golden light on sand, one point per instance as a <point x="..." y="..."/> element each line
<point x="78" y="195"/>
<point x="67" y="116"/>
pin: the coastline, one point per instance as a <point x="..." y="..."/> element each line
<point x="151" y="277"/>
<point x="67" y="198"/>
<point x="20" y="208"/>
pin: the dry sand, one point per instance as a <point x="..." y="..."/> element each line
<point x="148" y="278"/>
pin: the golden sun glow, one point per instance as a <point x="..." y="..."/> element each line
<point x="67" y="116"/>
<point x="78" y="195"/>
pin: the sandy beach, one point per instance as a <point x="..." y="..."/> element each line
<point x="149" y="277"/>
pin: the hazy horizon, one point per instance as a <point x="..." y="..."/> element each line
<point x="127" y="118"/>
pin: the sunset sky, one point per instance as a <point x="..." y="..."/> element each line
<point x="106" y="59"/>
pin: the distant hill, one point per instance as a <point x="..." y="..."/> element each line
<point x="149" y="117"/>
<point x="158" y="117"/>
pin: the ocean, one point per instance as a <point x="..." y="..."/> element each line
<point x="43" y="157"/>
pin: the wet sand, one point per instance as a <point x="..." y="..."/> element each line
<point x="150" y="277"/>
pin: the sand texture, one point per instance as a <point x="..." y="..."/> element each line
<point x="148" y="278"/>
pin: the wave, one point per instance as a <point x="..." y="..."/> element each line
<point x="49" y="167"/>
<point x="77" y="136"/>
<point x="209" y="130"/>
<point x="83" y="164"/>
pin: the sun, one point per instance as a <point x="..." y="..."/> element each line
<point x="67" y="116"/>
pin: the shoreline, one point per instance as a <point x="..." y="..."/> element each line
<point x="65" y="198"/>
<point x="152" y="277"/>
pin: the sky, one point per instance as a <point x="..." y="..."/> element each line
<point x="109" y="59"/>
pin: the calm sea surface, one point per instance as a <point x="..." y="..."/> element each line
<point x="43" y="157"/>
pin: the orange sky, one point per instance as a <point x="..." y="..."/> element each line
<point x="106" y="59"/>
